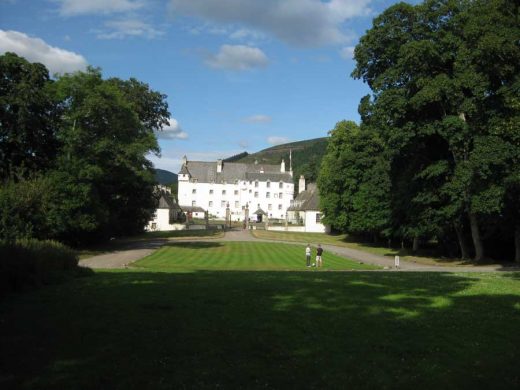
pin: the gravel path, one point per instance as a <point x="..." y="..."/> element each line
<point x="140" y="249"/>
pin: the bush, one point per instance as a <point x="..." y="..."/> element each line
<point x="30" y="263"/>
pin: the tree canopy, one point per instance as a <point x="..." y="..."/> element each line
<point x="445" y="79"/>
<point x="83" y="140"/>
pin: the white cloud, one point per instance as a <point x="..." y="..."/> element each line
<point x="275" y="140"/>
<point x="84" y="7"/>
<point x="258" y="119"/>
<point x="347" y="52"/>
<point x="122" y="28"/>
<point x="172" y="131"/>
<point x="246" y="34"/>
<point x="237" y="57"/>
<point x="37" y="50"/>
<point x="297" y="22"/>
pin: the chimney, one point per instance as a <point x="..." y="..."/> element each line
<point x="184" y="160"/>
<point x="301" y="184"/>
<point x="219" y="166"/>
<point x="282" y="166"/>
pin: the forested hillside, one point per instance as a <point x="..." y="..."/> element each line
<point x="306" y="157"/>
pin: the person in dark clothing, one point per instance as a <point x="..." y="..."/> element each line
<point x="319" y="253"/>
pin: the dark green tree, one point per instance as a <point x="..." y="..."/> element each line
<point x="442" y="70"/>
<point x="28" y="117"/>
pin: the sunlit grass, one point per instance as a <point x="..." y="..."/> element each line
<point x="240" y="256"/>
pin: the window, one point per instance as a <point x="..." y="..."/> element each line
<point x="275" y="195"/>
<point x="280" y="195"/>
<point x="269" y="207"/>
<point x="279" y="207"/>
<point x="236" y="204"/>
<point x="318" y="217"/>
<point x="193" y="202"/>
<point x="250" y="191"/>
<point x="280" y="185"/>
<point x="256" y="194"/>
<point x="223" y="203"/>
<point x="210" y="204"/>
<point x="211" y="192"/>
<point x="268" y="184"/>
<point x="236" y="192"/>
<point x="154" y="225"/>
<point x="256" y="183"/>
<point x="194" y="191"/>
<point x="267" y="194"/>
<point x="223" y="192"/>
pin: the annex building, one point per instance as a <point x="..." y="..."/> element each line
<point x="264" y="189"/>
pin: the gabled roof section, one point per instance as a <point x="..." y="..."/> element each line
<point x="308" y="200"/>
<point x="184" y="170"/>
<point x="167" y="201"/>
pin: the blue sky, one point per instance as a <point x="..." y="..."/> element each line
<point x="240" y="75"/>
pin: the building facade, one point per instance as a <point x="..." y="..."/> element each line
<point x="305" y="211"/>
<point x="215" y="186"/>
<point x="167" y="216"/>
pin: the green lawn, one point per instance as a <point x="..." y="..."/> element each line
<point x="424" y="256"/>
<point x="158" y="326"/>
<point x="250" y="256"/>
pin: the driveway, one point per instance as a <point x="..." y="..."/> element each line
<point x="140" y="249"/>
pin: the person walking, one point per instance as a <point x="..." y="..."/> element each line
<point x="308" y="254"/>
<point x="319" y="253"/>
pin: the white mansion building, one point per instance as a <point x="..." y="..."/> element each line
<point x="213" y="186"/>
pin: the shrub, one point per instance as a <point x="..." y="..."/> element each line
<point x="30" y="263"/>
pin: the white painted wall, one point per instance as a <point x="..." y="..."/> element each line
<point x="161" y="222"/>
<point x="311" y="225"/>
<point x="237" y="195"/>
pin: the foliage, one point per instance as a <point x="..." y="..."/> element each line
<point x="306" y="157"/>
<point x="444" y="107"/>
<point x="92" y="172"/>
<point x="29" y="263"/>
<point x="28" y="117"/>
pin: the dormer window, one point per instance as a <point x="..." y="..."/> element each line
<point x="268" y="184"/>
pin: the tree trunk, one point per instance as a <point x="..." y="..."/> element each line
<point x="464" y="254"/>
<point x="517" y="243"/>
<point x="415" y="246"/>
<point x="475" y="235"/>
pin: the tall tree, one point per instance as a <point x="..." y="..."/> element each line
<point x="432" y="76"/>
<point x="28" y="117"/>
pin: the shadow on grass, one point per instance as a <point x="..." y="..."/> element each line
<point x="195" y="245"/>
<point x="265" y="330"/>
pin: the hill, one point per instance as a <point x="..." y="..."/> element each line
<point x="165" y="177"/>
<point x="306" y="156"/>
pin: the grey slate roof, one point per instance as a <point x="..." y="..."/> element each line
<point x="193" y="209"/>
<point x="307" y="200"/>
<point x="166" y="201"/>
<point x="206" y="172"/>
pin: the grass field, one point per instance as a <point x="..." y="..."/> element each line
<point x="168" y="325"/>
<point x="424" y="256"/>
<point x="250" y="256"/>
